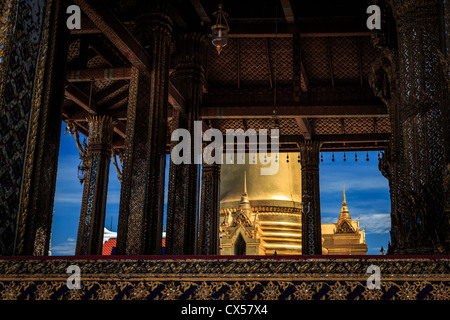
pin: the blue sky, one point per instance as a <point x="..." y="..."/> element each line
<point x="366" y="189"/>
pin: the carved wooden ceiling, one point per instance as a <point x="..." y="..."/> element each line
<point x="302" y="67"/>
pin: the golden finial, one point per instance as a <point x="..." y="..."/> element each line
<point x="343" y="191"/>
<point x="245" y="182"/>
<point x="345" y="214"/>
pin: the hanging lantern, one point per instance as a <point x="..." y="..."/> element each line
<point x="220" y="29"/>
<point x="81" y="172"/>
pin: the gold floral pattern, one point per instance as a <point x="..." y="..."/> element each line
<point x="139" y="291"/>
<point x="204" y="291"/>
<point x="372" y="294"/>
<point x="171" y="291"/>
<point x="236" y="291"/>
<point x="270" y="291"/>
<point x="303" y="291"/>
<point x="338" y="291"/>
<point x="45" y="290"/>
<point x="441" y="291"/>
<point x="11" y="291"/>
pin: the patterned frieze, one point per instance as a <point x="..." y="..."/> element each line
<point x="315" y="278"/>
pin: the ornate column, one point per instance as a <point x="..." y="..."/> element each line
<point x="311" y="223"/>
<point x="409" y="78"/>
<point x="208" y="239"/>
<point x="93" y="206"/>
<point x="142" y="196"/>
<point x="182" y="208"/>
<point x="421" y="125"/>
<point x="32" y="69"/>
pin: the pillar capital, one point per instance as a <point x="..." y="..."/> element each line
<point x="100" y="131"/>
<point x="190" y="59"/>
<point x="158" y="21"/>
<point x="309" y="150"/>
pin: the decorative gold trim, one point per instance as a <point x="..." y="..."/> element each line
<point x="33" y="126"/>
<point x="8" y="16"/>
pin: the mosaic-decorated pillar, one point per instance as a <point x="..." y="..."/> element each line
<point x="142" y="197"/>
<point x="311" y="223"/>
<point x="208" y="239"/>
<point x="93" y="205"/>
<point x="33" y="50"/>
<point x="184" y="184"/>
<point x="420" y="224"/>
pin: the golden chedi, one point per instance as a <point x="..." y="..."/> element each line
<point x="260" y="214"/>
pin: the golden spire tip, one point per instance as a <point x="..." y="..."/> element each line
<point x="245" y="182"/>
<point x="343" y="191"/>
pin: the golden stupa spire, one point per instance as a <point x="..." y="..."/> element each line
<point x="244" y="204"/>
<point x="345" y="214"/>
<point x="245" y="182"/>
<point x="343" y="191"/>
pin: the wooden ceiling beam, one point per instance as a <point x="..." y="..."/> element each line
<point x="287" y="10"/>
<point x="330" y="61"/>
<point x="80" y="114"/>
<point x="116" y="101"/>
<point x="353" y="138"/>
<point x="176" y="100"/>
<point x="82" y="75"/>
<point x="87" y="27"/>
<point x="104" y="96"/>
<point x="80" y="98"/>
<point x="304" y="126"/>
<point x="294" y="110"/>
<point x="110" y="91"/>
<point x="105" y="20"/>
<point x="269" y="65"/>
<point x="360" y="62"/>
<point x="238" y="73"/>
<point x="120" y="128"/>
<point x="353" y="147"/>
<point x="201" y="11"/>
<point x="303" y="29"/>
<point x="304" y="82"/>
<point x="100" y="46"/>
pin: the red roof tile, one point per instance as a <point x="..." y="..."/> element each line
<point x="108" y="247"/>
